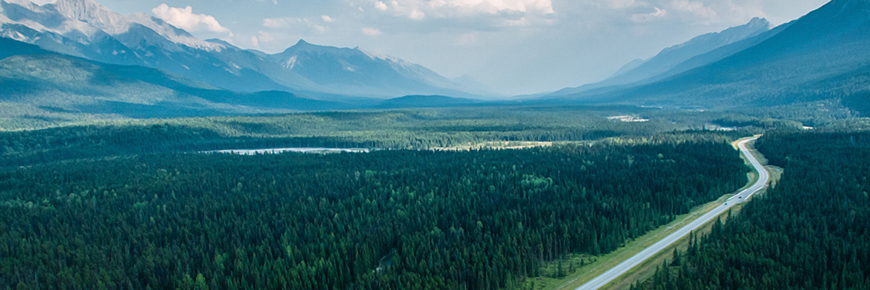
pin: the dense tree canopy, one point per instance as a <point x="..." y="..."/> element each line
<point x="809" y="232"/>
<point x="388" y="219"/>
<point x="406" y="129"/>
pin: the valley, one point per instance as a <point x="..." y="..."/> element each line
<point x="290" y="145"/>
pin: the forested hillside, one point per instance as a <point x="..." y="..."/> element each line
<point x="820" y="57"/>
<point x="384" y="220"/>
<point x="45" y="85"/>
<point x="405" y="129"/>
<point x="809" y="232"/>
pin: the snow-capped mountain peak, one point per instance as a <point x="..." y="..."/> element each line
<point x="87" y="29"/>
<point x="355" y="69"/>
<point x="89" y="20"/>
<point x="88" y="11"/>
<point x="373" y="55"/>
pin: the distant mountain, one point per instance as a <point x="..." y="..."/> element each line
<point x="417" y="101"/>
<point x="671" y="57"/>
<point x="86" y="29"/>
<point x="718" y="54"/>
<point x="354" y="71"/>
<point x="628" y="67"/>
<point x="821" y="56"/>
<point x="38" y="83"/>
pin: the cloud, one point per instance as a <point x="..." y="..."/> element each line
<point x="381" y="6"/>
<point x="644" y="17"/>
<point x="691" y="12"/>
<point x="185" y="19"/>
<point x="261" y="37"/>
<point x="371" y="31"/>
<point x="326" y="18"/>
<point x="273" y="1"/>
<point x="279" y="23"/>
<point x="439" y="9"/>
<point x="466" y="15"/>
<point x="295" y="22"/>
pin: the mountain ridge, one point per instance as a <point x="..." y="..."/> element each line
<point x="813" y="59"/>
<point x="86" y="29"/>
<point x="673" y="56"/>
<point x="32" y="82"/>
<point x="354" y="69"/>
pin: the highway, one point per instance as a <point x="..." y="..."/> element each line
<point x="649" y="252"/>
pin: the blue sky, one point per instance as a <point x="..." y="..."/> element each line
<point x="515" y="46"/>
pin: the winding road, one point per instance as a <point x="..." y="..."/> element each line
<point x="649" y="252"/>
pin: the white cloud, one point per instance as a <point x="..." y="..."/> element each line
<point x="185" y="19"/>
<point x="421" y="9"/>
<point x="294" y="22"/>
<point x="644" y="17"/>
<point x="255" y="41"/>
<point x="280" y="22"/>
<point x="690" y="12"/>
<point x="371" y="31"/>
<point x="380" y="6"/>
<point x="326" y="18"/>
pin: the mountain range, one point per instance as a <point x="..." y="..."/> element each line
<point x="668" y="61"/>
<point x="76" y="56"/>
<point x="352" y="71"/>
<point x="37" y="82"/>
<point x="88" y="30"/>
<point x="822" y="56"/>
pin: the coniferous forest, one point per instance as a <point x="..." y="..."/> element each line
<point x="135" y="153"/>
<point x="390" y="219"/>
<point x="809" y="232"/>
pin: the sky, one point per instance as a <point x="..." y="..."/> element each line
<point x="513" y="46"/>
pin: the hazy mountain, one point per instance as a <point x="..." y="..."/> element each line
<point x="719" y="53"/>
<point x="418" y="101"/>
<point x="86" y="29"/>
<point x="38" y="82"/>
<point x="821" y="56"/>
<point x="628" y="67"/>
<point x="671" y="57"/>
<point x="354" y="71"/>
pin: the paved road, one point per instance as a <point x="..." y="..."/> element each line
<point x="292" y="149"/>
<point x="647" y="253"/>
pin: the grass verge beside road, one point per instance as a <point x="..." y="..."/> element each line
<point x="648" y="268"/>
<point x="587" y="267"/>
<point x="596" y="265"/>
